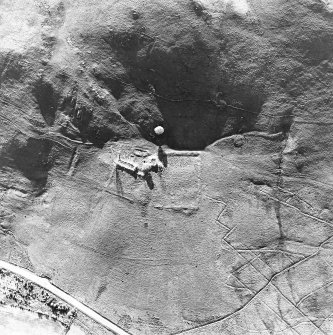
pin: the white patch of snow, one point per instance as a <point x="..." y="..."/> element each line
<point x="329" y="4"/>
<point x="291" y="145"/>
<point x="19" y="26"/>
<point x="238" y="6"/>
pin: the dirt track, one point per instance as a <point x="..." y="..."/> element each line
<point x="43" y="282"/>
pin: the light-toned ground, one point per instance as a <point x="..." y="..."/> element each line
<point x="14" y="321"/>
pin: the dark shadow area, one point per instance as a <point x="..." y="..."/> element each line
<point x="180" y="79"/>
<point x="79" y="116"/>
<point x="162" y="156"/>
<point x="31" y="157"/>
<point x="149" y="179"/>
<point x="47" y="101"/>
<point x="119" y="185"/>
<point x="91" y="118"/>
<point x="113" y="81"/>
<point x="193" y="125"/>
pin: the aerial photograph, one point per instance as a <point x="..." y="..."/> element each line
<point x="166" y="167"/>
